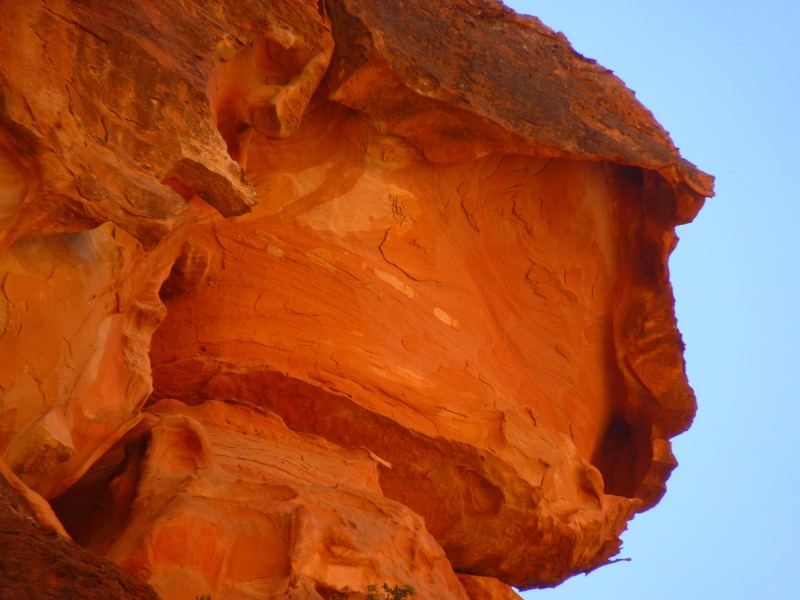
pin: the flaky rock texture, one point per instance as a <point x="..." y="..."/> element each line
<point x="301" y="297"/>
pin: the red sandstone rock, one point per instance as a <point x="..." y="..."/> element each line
<point x="486" y="588"/>
<point x="250" y="509"/>
<point x="38" y="564"/>
<point x="451" y="258"/>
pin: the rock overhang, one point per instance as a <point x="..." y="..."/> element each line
<point x="457" y="260"/>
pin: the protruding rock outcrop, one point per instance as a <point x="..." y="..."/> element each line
<point x="392" y="275"/>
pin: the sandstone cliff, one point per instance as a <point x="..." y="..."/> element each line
<point x="300" y="296"/>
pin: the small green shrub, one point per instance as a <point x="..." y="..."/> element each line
<point x="398" y="592"/>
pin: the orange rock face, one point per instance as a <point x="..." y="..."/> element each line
<point x="227" y="500"/>
<point x="392" y="277"/>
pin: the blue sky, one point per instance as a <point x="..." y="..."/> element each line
<point x="722" y="77"/>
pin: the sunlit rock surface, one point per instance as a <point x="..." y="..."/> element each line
<point x="300" y="297"/>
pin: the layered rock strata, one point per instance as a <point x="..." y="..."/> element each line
<point x="301" y="297"/>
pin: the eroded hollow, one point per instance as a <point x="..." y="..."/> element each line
<point x="188" y="270"/>
<point x="623" y="457"/>
<point x="97" y="507"/>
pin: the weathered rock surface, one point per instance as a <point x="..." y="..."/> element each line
<point x="400" y="270"/>
<point x="39" y="564"/>
<point x="250" y="509"/>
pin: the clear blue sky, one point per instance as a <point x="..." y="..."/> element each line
<point x="722" y="77"/>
